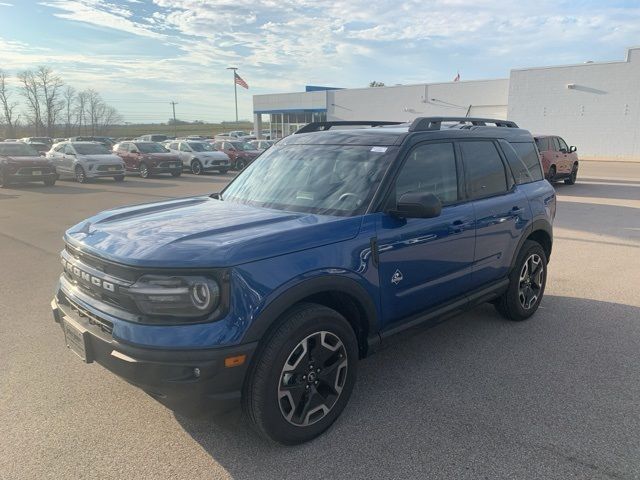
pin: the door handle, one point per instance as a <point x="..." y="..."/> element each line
<point x="458" y="226"/>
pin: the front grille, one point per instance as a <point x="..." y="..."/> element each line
<point x="108" y="168"/>
<point x="105" y="325"/>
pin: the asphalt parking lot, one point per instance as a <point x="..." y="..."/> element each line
<point x="475" y="397"/>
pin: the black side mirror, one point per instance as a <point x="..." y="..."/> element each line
<point x="418" y="205"/>
<point x="572" y="149"/>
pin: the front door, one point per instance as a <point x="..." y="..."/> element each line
<point x="424" y="262"/>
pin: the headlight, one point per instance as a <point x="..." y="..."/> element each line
<point x="176" y="296"/>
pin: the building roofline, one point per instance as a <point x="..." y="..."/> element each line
<point x="584" y="64"/>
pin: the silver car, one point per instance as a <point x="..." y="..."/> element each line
<point x="200" y="156"/>
<point x="86" y="160"/>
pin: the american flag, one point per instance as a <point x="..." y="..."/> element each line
<point x="457" y="77"/>
<point x="240" y="81"/>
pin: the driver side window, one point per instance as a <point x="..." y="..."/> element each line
<point x="430" y="168"/>
<point x="184" y="147"/>
<point x="68" y="150"/>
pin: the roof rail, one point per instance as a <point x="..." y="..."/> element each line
<point x="435" y="123"/>
<point x="321" y="126"/>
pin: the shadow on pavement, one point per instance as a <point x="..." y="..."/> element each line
<point x="620" y="190"/>
<point x="474" y="397"/>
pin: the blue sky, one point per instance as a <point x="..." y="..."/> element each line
<point x="141" y="54"/>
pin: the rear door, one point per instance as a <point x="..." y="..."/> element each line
<point x="501" y="209"/>
<point x="425" y="262"/>
<point x="566" y="160"/>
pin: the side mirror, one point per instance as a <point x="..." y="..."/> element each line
<point x="572" y="149"/>
<point x="418" y="205"/>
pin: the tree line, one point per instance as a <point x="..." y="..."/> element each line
<point x="49" y="106"/>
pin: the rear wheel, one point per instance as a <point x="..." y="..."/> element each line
<point x="223" y="170"/>
<point x="552" y="173"/>
<point x="50" y="182"/>
<point x="196" y="167"/>
<point x="176" y="174"/>
<point x="527" y="282"/>
<point x="4" y="180"/>
<point x="302" y="377"/>
<point x="80" y="174"/>
<point x="574" y="175"/>
<point x="144" y="170"/>
<point x="240" y="164"/>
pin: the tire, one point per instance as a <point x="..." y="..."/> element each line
<point x="176" y="174"/>
<point x="119" y="178"/>
<point x="271" y="408"/>
<point x="80" y="174"/>
<point x="552" y="173"/>
<point x="50" y="182"/>
<point x="223" y="171"/>
<point x="240" y="164"/>
<point x="525" y="283"/>
<point x="144" y="170"/>
<point x="196" y="167"/>
<point x="4" y="181"/>
<point x="573" y="177"/>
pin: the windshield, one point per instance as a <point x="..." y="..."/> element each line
<point x="321" y="179"/>
<point x="201" y="147"/>
<point x="151" y="148"/>
<point x="242" y="146"/>
<point x="90" y="149"/>
<point x="18" y="150"/>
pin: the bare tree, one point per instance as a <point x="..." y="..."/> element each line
<point x="50" y="86"/>
<point x="81" y="110"/>
<point x="108" y="118"/>
<point x="30" y="90"/>
<point x="8" y="115"/>
<point x="69" y="99"/>
<point x="94" y="107"/>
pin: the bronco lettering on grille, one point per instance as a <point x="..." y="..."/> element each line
<point x="79" y="274"/>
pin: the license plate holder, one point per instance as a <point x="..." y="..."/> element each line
<point x="36" y="173"/>
<point x="77" y="340"/>
<point x="113" y="169"/>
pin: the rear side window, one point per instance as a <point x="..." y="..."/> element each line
<point x="484" y="171"/>
<point x="430" y="168"/>
<point x="543" y="144"/>
<point x="526" y="164"/>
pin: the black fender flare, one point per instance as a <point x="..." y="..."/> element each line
<point x="536" y="225"/>
<point x="320" y="284"/>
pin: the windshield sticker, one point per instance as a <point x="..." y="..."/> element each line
<point x="304" y="196"/>
<point x="379" y="149"/>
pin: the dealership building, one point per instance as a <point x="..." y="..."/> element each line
<point x="593" y="105"/>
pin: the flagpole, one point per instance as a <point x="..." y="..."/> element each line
<point x="235" y="89"/>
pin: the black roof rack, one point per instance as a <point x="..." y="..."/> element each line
<point x="434" y="123"/>
<point x="321" y="126"/>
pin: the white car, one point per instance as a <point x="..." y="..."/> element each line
<point x="200" y="156"/>
<point x="85" y="160"/>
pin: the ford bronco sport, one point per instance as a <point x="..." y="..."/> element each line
<point x="269" y="293"/>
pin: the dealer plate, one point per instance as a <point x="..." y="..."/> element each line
<point x="77" y="339"/>
<point x="36" y="173"/>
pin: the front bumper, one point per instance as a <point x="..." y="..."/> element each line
<point x="96" y="171"/>
<point x="28" y="175"/>
<point x="183" y="380"/>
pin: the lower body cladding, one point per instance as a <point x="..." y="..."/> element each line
<point x="183" y="380"/>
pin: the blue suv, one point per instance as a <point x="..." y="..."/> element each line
<point x="269" y="293"/>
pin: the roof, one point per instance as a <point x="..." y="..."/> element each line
<point x="395" y="135"/>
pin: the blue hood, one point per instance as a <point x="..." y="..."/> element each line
<point x="202" y="232"/>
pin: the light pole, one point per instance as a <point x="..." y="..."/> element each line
<point x="235" y="89"/>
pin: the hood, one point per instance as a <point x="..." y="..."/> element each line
<point x="28" y="161"/>
<point x="214" y="154"/>
<point x="102" y="157"/>
<point x="203" y="232"/>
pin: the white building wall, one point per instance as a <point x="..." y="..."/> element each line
<point x="594" y="106"/>
<point x="406" y="102"/>
<point x="290" y="101"/>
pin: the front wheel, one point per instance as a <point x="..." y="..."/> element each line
<point x="50" y="182"/>
<point x="223" y="170"/>
<point x="176" y="174"/>
<point x="4" y="180"/>
<point x="527" y="282"/>
<point x="240" y="164"/>
<point x="196" y="167"/>
<point x="144" y="170"/>
<point x="572" y="178"/>
<point x="119" y="178"/>
<point x="81" y="176"/>
<point x="302" y="377"/>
